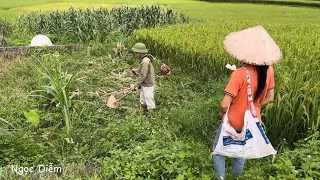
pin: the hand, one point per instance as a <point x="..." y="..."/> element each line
<point x="222" y="114"/>
<point x="132" y="87"/>
<point x="134" y="69"/>
<point x="116" y="104"/>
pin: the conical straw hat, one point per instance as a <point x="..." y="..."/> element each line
<point x="253" y="46"/>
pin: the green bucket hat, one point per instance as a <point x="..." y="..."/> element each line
<point x="140" y="48"/>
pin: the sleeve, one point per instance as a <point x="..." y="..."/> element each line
<point x="142" y="72"/>
<point x="235" y="83"/>
<point x="270" y="76"/>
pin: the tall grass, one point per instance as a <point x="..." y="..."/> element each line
<point x="196" y="47"/>
<point x="3" y="129"/>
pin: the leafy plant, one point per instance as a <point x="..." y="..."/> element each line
<point x="301" y="163"/>
<point x="59" y="92"/>
<point x="33" y="117"/>
<point x="25" y="149"/>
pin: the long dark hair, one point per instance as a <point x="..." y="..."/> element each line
<point x="262" y="78"/>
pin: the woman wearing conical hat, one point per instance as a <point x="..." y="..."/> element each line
<point x="257" y="50"/>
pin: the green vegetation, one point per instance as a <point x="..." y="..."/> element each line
<point x="226" y="12"/>
<point x="5" y="28"/>
<point x="58" y="91"/>
<point x="300" y="163"/>
<point x="103" y="138"/>
<point x="53" y="103"/>
<point x="12" y="9"/>
<point x="18" y="3"/>
<point x="95" y="24"/>
<point x="308" y="3"/>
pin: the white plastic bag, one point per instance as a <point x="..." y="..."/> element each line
<point x="252" y="142"/>
<point x="230" y="131"/>
<point x="255" y="145"/>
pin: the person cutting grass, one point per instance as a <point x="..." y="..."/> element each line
<point x="146" y="78"/>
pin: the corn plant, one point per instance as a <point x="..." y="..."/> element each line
<point x="58" y="88"/>
<point x="5" y="28"/>
<point x="96" y="24"/>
